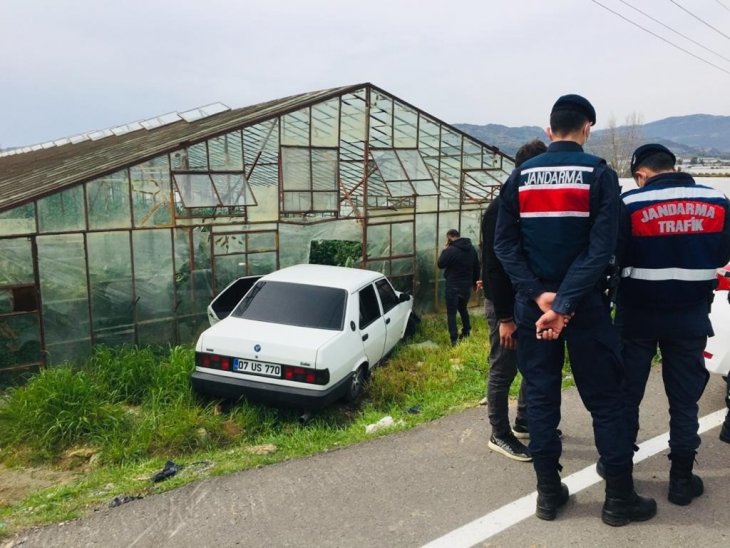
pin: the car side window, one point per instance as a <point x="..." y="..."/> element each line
<point x="387" y="295"/>
<point x="369" y="309"/>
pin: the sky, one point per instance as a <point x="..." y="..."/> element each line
<point x="74" y="66"/>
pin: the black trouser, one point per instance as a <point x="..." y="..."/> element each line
<point x="457" y="298"/>
<point x="685" y="378"/>
<point x="593" y="346"/>
<point x="502" y="372"/>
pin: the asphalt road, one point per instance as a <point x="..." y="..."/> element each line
<point x="413" y="487"/>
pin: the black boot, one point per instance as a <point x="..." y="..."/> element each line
<point x="551" y="495"/>
<point x="622" y="504"/>
<point x="725" y="430"/>
<point x="683" y="484"/>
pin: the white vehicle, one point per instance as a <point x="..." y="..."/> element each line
<point x="303" y="336"/>
<point x="717" y="351"/>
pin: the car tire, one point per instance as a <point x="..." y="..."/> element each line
<point x="411" y="326"/>
<point x="356" y="385"/>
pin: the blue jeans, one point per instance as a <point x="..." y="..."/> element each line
<point x="593" y="347"/>
<point x="457" y="298"/>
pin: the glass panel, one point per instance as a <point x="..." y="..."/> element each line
<point x="261" y="263"/>
<point x="229" y="243"/>
<point x="402" y="234"/>
<point x="381" y="120"/>
<point x="233" y="189"/>
<point x="324" y="201"/>
<point x="405" y="126"/>
<point x="63" y="211"/>
<point x="16" y="262"/>
<point x="151" y="192"/>
<point x="228" y="268"/>
<point x="19" y="220"/>
<point x="190" y="328"/>
<point x="324" y="169"/>
<point x="400" y="267"/>
<point x="295" y="128"/>
<point x="157" y="332"/>
<point x="400" y="188"/>
<point x="197" y="158"/>
<point x="226" y="152"/>
<point x="295" y="165"/>
<point x="108" y="202"/>
<point x="6" y="301"/>
<point x="427" y="246"/>
<point x="262" y="241"/>
<point x="472" y="155"/>
<point x="325" y="119"/>
<point x="153" y="274"/>
<point x="20" y="341"/>
<point x="261" y="153"/>
<point x="196" y="190"/>
<point x="450" y="142"/>
<point x="353" y="115"/>
<point x="379" y="266"/>
<point x="425" y="188"/>
<point x="65" y="298"/>
<point x="193" y="281"/>
<point x="378" y="241"/>
<point x="179" y="160"/>
<point x="110" y="278"/>
<point x="297" y="201"/>
<point x="413" y="164"/>
<point x="389" y="165"/>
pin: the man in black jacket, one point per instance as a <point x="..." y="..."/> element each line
<point x="499" y="300"/>
<point x="460" y="262"/>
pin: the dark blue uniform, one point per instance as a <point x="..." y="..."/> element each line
<point x="674" y="235"/>
<point x="556" y="232"/>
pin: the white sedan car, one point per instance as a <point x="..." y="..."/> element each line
<point x="303" y="336"/>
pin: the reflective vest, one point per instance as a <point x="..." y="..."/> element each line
<point x="673" y="249"/>
<point x="555" y="204"/>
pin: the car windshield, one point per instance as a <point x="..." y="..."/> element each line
<point x="294" y="304"/>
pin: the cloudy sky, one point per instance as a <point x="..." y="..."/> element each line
<point x="71" y="66"/>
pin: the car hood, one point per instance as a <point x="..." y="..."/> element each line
<point x="276" y="343"/>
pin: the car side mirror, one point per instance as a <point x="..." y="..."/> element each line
<point x="404" y="298"/>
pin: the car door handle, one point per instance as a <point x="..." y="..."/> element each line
<point x="387" y="320"/>
<point x="365" y="337"/>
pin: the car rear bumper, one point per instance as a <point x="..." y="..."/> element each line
<point x="272" y="394"/>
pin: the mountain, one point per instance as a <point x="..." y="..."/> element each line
<point x="691" y="135"/>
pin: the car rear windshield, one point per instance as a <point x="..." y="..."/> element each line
<point x="294" y="304"/>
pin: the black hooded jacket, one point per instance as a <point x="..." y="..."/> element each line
<point x="461" y="263"/>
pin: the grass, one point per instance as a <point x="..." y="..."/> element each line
<point x="119" y="417"/>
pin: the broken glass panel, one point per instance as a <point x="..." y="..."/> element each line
<point x="151" y="193"/>
<point x="107" y="201"/>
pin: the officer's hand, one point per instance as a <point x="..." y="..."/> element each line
<point x="506" y="330"/>
<point x="545" y="300"/>
<point x="550" y="325"/>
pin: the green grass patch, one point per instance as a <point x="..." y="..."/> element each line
<point x="128" y="410"/>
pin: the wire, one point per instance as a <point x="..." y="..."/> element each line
<point x="699" y="19"/>
<point x="662" y="38"/>
<point x="675" y="31"/>
<point x="723" y="5"/>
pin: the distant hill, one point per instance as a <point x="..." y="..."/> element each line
<point x="692" y="135"/>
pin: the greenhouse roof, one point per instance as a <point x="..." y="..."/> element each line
<point x="33" y="172"/>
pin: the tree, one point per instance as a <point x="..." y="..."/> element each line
<point x="617" y="143"/>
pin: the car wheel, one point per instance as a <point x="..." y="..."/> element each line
<point x="411" y="326"/>
<point x="357" y="383"/>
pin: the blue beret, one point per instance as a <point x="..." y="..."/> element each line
<point x="644" y="151"/>
<point x="576" y="103"/>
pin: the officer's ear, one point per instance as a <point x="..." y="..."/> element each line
<point x="587" y="131"/>
<point x="550" y="134"/>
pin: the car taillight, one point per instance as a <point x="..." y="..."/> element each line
<point x="309" y="376"/>
<point x="212" y="361"/>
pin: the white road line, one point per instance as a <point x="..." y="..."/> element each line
<point x="505" y="517"/>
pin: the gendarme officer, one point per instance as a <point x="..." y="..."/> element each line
<point x="556" y="233"/>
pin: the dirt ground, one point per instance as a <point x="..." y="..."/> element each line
<point x="18" y="483"/>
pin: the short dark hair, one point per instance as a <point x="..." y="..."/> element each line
<point x="659" y="162"/>
<point x="567" y="121"/>
<point x="453" y="233"/>
<point x="529" y="150"/>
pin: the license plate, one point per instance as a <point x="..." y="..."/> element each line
<point x="256" y="368"/>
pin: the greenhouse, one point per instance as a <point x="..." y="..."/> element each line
<point x="123" y="235"/>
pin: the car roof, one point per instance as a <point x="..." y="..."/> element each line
<point x="350" y="279"/>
